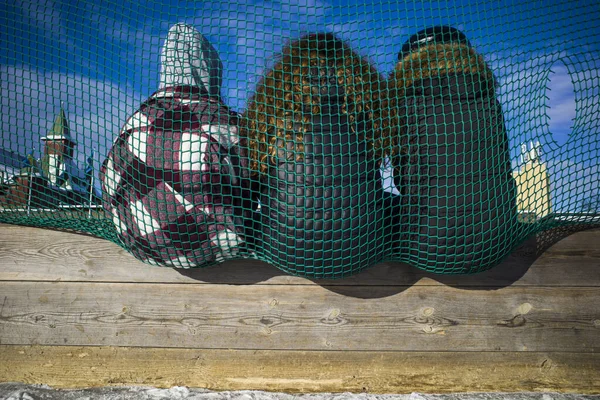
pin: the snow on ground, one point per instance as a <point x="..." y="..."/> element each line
<point x="17" y="391"/>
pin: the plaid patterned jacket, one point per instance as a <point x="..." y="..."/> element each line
<point x="175" y="184"/>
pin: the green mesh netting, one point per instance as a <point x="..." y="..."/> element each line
<point x="320" y="136"/>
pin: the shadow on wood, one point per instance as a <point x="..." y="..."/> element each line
<point x="402" y="276"/>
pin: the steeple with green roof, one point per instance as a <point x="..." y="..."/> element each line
<point x="60" y="130"/>
<point x="58" y="149"/>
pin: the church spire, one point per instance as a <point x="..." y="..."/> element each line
<point x="58" y="149"/>
<point x="60" y="129"/>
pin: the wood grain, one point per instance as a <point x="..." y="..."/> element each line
<point x="33" y="254"/>
<point x="532" y="323"/>
<point x="301" y="371"/>
<point x="300" y="317"/>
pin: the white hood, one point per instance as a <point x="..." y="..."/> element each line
<point x="187" y="58"/>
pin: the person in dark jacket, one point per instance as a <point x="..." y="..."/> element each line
<point x="309" y="126"/>
<point x="456" y="212"/>
<point x="173" y="182"/>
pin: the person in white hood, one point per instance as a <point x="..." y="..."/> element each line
<point x="188" y="59"/>
<point x="174" y="183"/>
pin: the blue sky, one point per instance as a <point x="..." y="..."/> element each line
<point x="101" y="59"/>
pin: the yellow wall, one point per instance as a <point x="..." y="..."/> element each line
<point x="533" y="185"/>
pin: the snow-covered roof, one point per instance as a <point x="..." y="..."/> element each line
<point x="10" y="164"/>
<point x="10" y="159"/>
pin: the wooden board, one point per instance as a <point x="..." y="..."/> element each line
<point x="59" y="256"/>
<point x="364" y="318"/>
<point x="532" y="323"/>
<point x="302" y="371"/>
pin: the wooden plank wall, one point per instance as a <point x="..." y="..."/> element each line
<point x="77" y="311"/>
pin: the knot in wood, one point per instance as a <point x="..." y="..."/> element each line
<point x="515" y="322"/>
<point x="334" y="318"/>
<point x="524" y="308"/>
<point x="191" y="322"/>
<point x="427" y="311"/>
